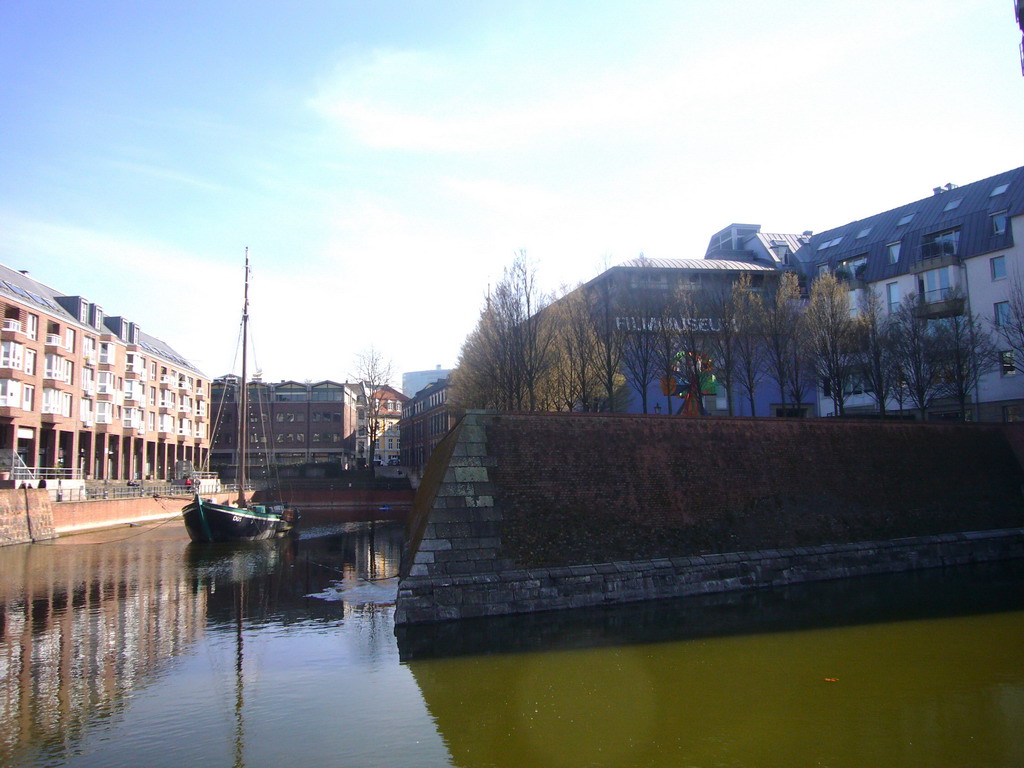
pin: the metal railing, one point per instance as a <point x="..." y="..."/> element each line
<point x="12" y="464"/>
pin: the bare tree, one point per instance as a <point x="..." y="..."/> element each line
<point x="829" y="338"/>
<point x="609" y="337"/>
<point x="723" y="343"/>
<point x="1009" y="327"/>
<point x="695" y="334"/>
<point x="916" y="354"/>
<point x="780" y="335"/>
<point x="375" y="373"/>
<point x="666" y="327"/>
<point x="640" y="342"/>
<point x="475" y="380"/>
<point x="573" y="381"/>
<point x="875" y="362"/>
<point x="505" y="360"/>
<point x="750" y="351"/>
<point x="966" y="351"/>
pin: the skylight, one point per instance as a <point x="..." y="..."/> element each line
<point x="863" y="233"/>
<point x="953" y="204"/>
<point x="906" y="219"/>
<point x="999" y="190"/>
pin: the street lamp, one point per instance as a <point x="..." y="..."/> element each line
<point x="657" y="408"/>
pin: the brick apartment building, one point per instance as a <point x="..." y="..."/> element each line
<point x="384" y="414"/>
<point x="426" y="418"/>
<point x="290" y="422"/>
<point x="86" y="396"/>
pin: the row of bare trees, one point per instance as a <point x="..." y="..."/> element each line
<point x="590" y="347"/>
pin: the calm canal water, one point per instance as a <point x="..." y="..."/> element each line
<point x="134" y="648"/>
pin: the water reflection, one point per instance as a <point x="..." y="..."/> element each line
<point x="934" y="593"/>
<point x="88" y="622"/>
<point x="911" y="670"/>
<point x="150" y="651"/>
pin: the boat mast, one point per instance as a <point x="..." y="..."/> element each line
<point x="243" y="403"/>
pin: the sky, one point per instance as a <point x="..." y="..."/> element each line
<point x="385" y="161"/>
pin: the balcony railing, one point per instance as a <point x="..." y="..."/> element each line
<point x="12" y="325"/>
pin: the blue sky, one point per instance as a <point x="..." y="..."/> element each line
<point x="384" y="161"/>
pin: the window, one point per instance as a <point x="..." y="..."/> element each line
<point x="894" y="252"/>
<point x="56" y="402"/>
<point x="57" y="368"/>
<point x="28" y="397"/>
<point x="108" y="353"/>
<point x="892" y="296"/>
<point x="998" y="267"/>
<point x="863" y="233"/>
<point x="998" y="190"/>
<point x="940" y="244"/>
<point x="934" y="285"/>
<point x="998" y="220"/>
<point x="30" y="362"/>
<point x="10" y="393"/>
<point x="105" y="383"/>
<point x="33" y="327"/>
<point x="1006" y="366"/>
<point x="11" y="354"/>
<point x="1001" y="313"/>
<point x="85" y="411"/>
<point x="952" y="204"/>
<point x="905" y="220"/>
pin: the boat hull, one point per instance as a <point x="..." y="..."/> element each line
<point x="208" y="522"/>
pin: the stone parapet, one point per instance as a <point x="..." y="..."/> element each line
<point x="520" y="513"/>
<point x="495" y="593"/>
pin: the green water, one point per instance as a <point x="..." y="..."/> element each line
<point x="144" y="651"/>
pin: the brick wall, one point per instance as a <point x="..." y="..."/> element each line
<point x="589" y="489"/>
<point x="524" y="512"/>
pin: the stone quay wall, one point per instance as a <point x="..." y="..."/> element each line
<point x="26" y="515"/>
<point x="528" y="512"/>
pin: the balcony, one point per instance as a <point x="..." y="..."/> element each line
<point x="10" y="329"/>
<point x="89" y="358"/>
<point x="54" y="342"/>
<point x="939" y="303"/>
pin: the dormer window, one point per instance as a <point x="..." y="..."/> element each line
<point x="998" y="223"/>
<point x="893" y="250"/>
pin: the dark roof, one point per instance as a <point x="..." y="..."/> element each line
<point x="28" y="291"/>
<point x="909" y="223"/>
<point x="722" y="265"/>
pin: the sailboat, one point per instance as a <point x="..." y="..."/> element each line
<point x="207" y="521"/>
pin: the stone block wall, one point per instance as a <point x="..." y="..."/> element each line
<point x="530" y="512"/>
<point x="26" y="515"/>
